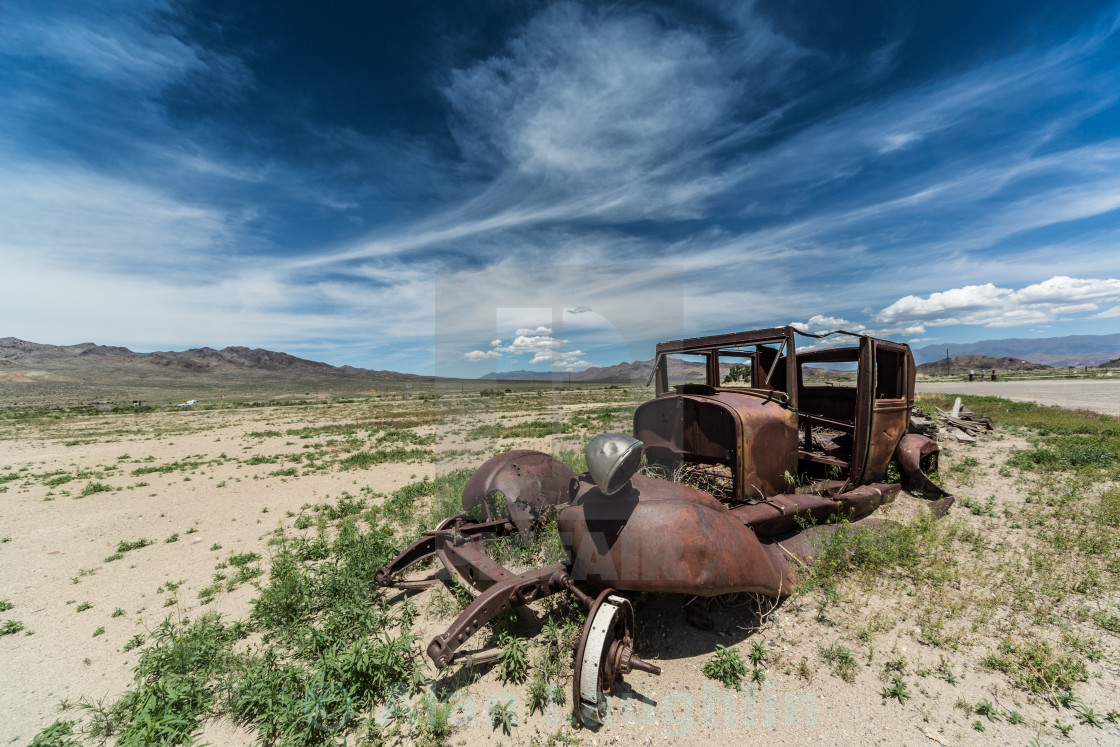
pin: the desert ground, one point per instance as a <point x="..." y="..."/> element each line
<point x="122" y="532"/>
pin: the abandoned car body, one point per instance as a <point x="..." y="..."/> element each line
<point x="783" y="455"/>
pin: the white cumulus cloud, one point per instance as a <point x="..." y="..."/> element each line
<point x="819" y="323"/>
<point x="993" y="306"/>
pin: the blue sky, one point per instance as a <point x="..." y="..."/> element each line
<point x="455" y="188"/>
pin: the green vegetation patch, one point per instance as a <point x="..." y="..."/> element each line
<point x="600" y="419"/>
<point x="58" y="734"/>
<point x="166" y="468"/>
<point x="920" y="551"/>
<point x="1068" y="453"/>
<point x="405" y="436"/>
<point x="529" y="429"/>
<point x="331" y="649"/>
<point x="367" y="459"/>
<point x="1036" y="667"/>
<point x="726" y="666"/>
<point x="127" y="545"/>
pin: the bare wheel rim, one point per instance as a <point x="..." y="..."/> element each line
<point x="609" y="626"/>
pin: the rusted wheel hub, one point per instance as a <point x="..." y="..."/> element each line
<point x="604" y="654"/>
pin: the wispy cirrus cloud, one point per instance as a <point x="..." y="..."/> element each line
<point x="601" y="115"/>
<point x="590" y="100"/>
<point x="120" y="44"/>
<point x="675" y="171"/>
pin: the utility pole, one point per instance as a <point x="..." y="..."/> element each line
<point x="947" y="361"/>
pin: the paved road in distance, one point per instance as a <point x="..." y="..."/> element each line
<point x="1101" y="395"/>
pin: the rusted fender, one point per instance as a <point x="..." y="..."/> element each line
<point x="915" y="454"/>
<point x="664" y="537"/>
<point x="780" y="514"/>
<point x="532" y="482"/>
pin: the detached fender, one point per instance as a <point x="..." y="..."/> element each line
<point x="915" y="454"/>
<point x="532" y="482"/>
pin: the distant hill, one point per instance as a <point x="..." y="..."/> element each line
<point x="1071" y="350"/>
<point x="1012" y="354"/>
<point x="638" y="371"/>
<point x="962" y="364"/>
<point x="526" y="375"/>
<point x="89" y="362"/>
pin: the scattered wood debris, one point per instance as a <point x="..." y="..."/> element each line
<point x="962" y="424"/>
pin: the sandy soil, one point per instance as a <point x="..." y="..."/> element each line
<point x="54" y="560"/>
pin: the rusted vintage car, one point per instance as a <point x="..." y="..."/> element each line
<point x="782" y="452"/>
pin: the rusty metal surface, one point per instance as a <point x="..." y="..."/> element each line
<point x="787" y="513"/>
<point x="712" y="423"/>
<point x="886" y="392"/>
<point x="427" y="545"/>
<point x="652" y="535"/>
<point x="917" y="454"/>
<point x="665" y="537"/>
<point x="889" y="422"/>
<point x="509" y="592"/>
<point x="465" y="558"/>
<point x="532" y="482"/>
<point x="615" y="659"/>
<point x="756" y="437"/>
<point x="862" y="431"/>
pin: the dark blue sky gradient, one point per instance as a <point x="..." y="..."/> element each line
<point x="389" y="184"/>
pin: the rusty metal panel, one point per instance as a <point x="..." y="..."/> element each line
<point x="862" y="433"/>
<point x="889" y="403"/>
<point x="889" y="421"/>
<point x="664" y="537"/>
<point x="789" y="513"/>
<point x="531" y="481"/>
<point x="735" y="339"/>
<point x="755" y="437"/>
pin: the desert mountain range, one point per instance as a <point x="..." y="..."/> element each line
<point x="639" y="370"/>
<point x="1071" y="350"/>
<point x="962" y="364"/>
<point x="1014" y="354"/>
<point x="21" y="360"/>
